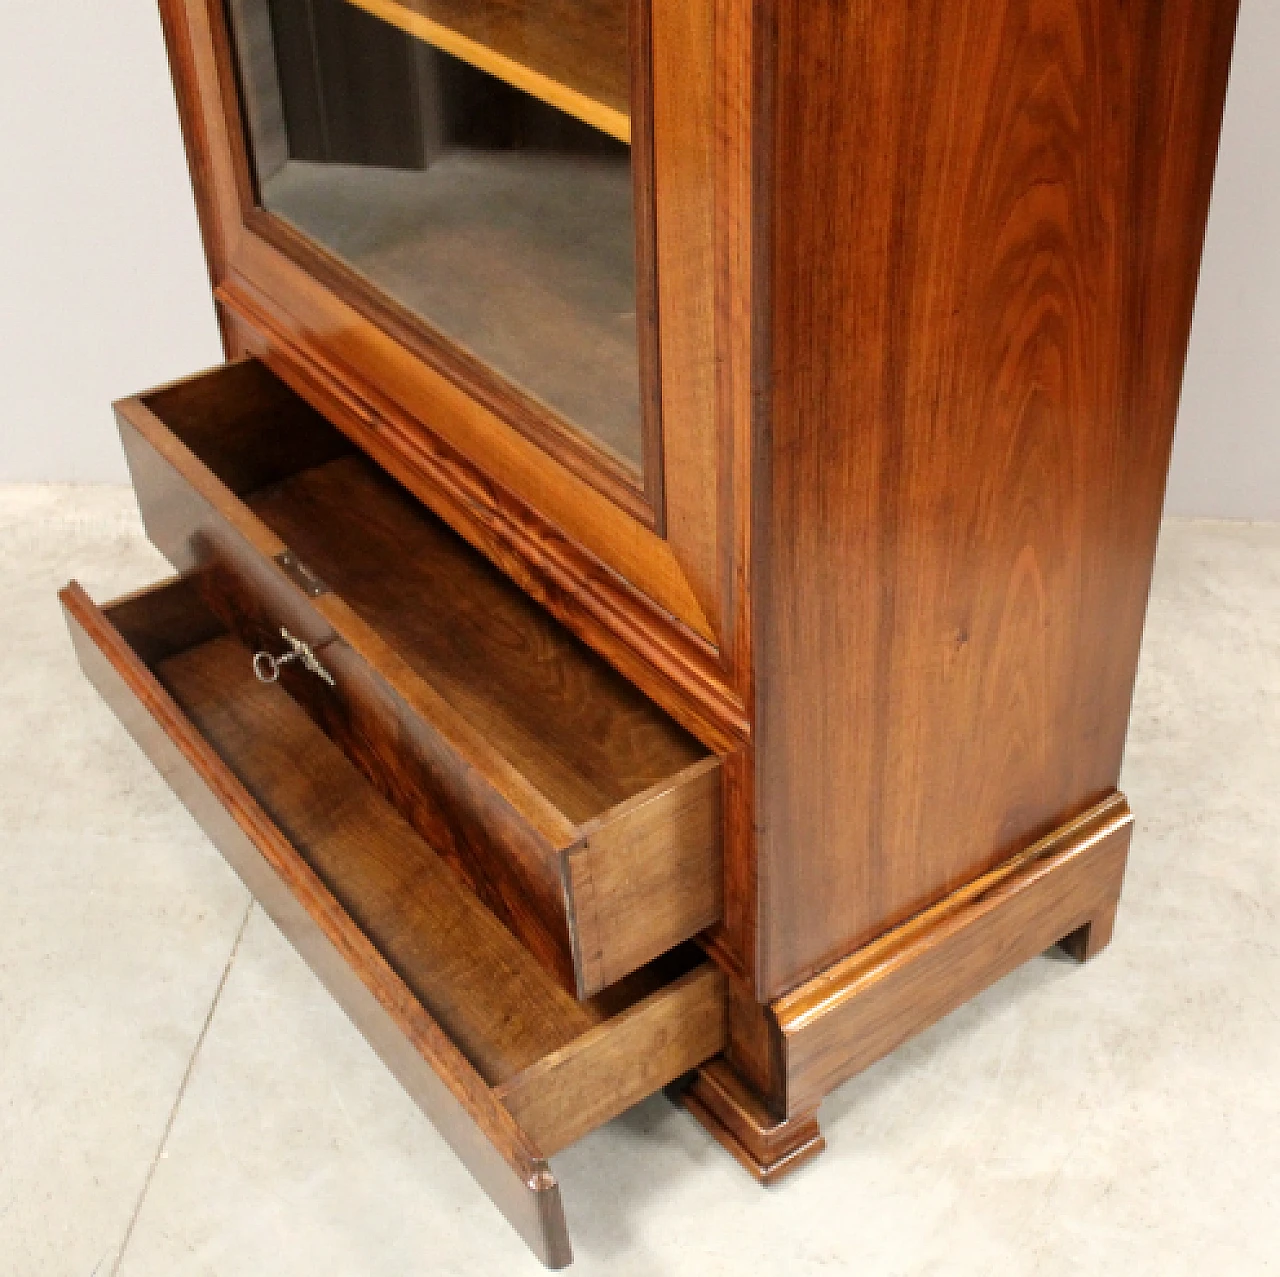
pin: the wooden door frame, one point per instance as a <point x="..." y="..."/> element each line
<point x="659" y="593"/>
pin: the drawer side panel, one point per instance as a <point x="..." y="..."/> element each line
<point x="443" y="1083"/>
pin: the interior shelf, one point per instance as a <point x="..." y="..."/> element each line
<point x="571" y="54"/>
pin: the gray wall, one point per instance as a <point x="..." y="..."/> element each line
<point x="105" y="291"/>
<point x="1226" y="460"/>
<point x="102" y="277"/>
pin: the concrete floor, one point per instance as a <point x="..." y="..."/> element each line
<point x="179" y="1096"/>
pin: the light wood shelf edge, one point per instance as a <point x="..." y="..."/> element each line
<point x="607" y="119"/>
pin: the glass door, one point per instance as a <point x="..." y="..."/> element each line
<point x="470" y="160"/>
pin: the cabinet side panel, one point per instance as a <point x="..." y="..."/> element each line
<point x="986" y="219"/>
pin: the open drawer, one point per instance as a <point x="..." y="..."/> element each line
<point x="583" y="816"/>
<point x="502" y="1059"/>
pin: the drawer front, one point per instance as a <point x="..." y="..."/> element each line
<point x="597" y="873"/>
<point x="505" y="859"/>
<point x="502" y="1126"/>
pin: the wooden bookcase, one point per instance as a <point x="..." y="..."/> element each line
<point x="686" y="476"/>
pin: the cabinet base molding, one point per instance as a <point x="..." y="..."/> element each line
<point x="736" y="1116"/>
<point x="1062" y="890"/>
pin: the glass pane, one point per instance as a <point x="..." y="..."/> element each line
<point x="471" y="159"/>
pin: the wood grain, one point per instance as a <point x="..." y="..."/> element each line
<point x="644" y="875"/>
<point x="471" y="975"/>
<point x="195" y="520"/>
<point x="607" y="602"/>
<point x="860" y="1009"/>
<point x="566" y="419"/>
<point x="584" y="736"/>
<point x="599" y="1075"/>
<point x="583" y="733"/>
<point x="425" y="764"/>
<point x="740" y="178"/>
<point x="435" y="1072"/>
<point x="495" y="402"/>
<point x="945" y="256"/>
<point x="204" y="146"/>
<point x="767" y="1147"/>
<point x="976" y="323"/>
<point x="585" y="819"/>
<point x="684" y="248"/>
<point x="644" y="221"/>
<point x="248" y="427"/>
<point x="165" y="618"/>
<point x="468" y="1021"/>
<point x="512" y="254"/>
<point x="565" y="532"/>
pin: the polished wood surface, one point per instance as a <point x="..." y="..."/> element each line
<point x="493" y="402"/>
<point x="248" y="427"/>
<point x="462" y="109"/>
<point x="858" y="1010"/>
<point x="585" y="819"/>
<point x="571" y="54"/>
<point x="644" y="201"/>
<point x="648" y="870"/>
<point x="441" y="1080"/>
<point x="572" y="1091"/>
<point x="500" y="1008"/>
<point x="684" y="248"/>
<point x="738" y="177"/>
<point x="583" y="735"/>
<point x="164" y="619"/>
<point x="976" y="325"/>
<point x="522" y="255"/>
<point x="1063" y="890"/>
<point x="767" y="1147"/>
<point x="426" y="760"/>
<point x="566" y="531"/>
<point x="920" y="282"/>
<point x="493" y="226"/>
<point x="191" y="63"/>
<point x="341" y="871"/>
<point x="604" y="607"/>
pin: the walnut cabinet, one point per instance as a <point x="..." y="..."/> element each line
<point x="660" y="574"/>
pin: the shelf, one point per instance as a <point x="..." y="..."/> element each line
<point x="571" y="54"/>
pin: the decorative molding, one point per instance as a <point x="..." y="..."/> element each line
<point x="861" y="1008"/>
<point x="767" y="1147"/>
<point x="678" y="668"/>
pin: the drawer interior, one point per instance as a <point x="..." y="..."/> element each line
<point x="585" y="737"/>
<point x="497" y="1004"/>
<point x="506" y="1064"/>
<point x="585" y="819"/>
